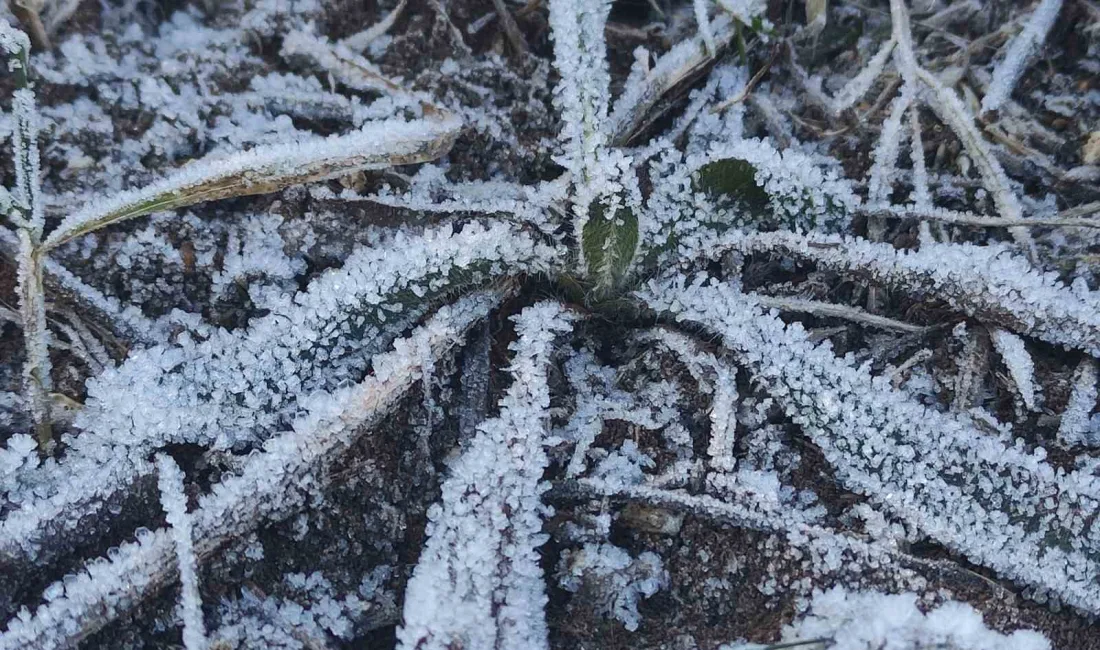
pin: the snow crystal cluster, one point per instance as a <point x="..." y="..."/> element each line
<point x="598" y="399"/>
<point x="314" y="613"/>
<point x="853" y="620"/>
<point x="616" y="581"/>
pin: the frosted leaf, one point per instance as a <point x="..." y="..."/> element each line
<point x="582" y="96"/>
<point x="265" y="169"/>
<point x="800" y="192"/>
<point x="1020" y="366"/>
<point x="986" y="282"/>
<point x="478" y="584"/>
<point x="27" y="192"/>
<point x="243" y="363"/>
<point x="1003" y="506"/>
<point x="606" y="199"/>
<point x="268" y="487"/>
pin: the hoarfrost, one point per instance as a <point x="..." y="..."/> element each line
<point x="478" y="584"/>
<point x="854" y="620"/>
<point x="905" y="456"/>
<point x="1020" y="49"/>
<point x="619" y="581"/>
<point x="1076" y="427"/>
<point x="1019" y="364"/>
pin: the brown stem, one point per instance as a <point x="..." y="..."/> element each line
<point x="32" y="23"/>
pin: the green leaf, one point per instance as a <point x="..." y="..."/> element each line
<point x="732" y="178"/>
<point x="609" y="244"/>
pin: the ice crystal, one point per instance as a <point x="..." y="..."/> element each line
<point x="619" y="580"/>
<point x="1076" y="426"/>
<point x="1019" y="363"/>
<point x="866" y="620"/>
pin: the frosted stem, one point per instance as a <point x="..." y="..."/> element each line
<point x="1020" y="49"/>
<point x="24" y="207"/>
<point x="831" y="310"/>
<point x="173" y="500"/>
<point x="32" y="309"/>
<point x="947" y="105"/>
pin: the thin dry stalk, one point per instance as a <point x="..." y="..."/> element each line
<point x="511" y="29"/>
<point x="27" y="12"/>
<point x="830" y="310"/>
<point x="955" y="217"/>
<point x="359" y="41"/>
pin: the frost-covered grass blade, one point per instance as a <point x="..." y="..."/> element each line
<point x="267" y="169"/>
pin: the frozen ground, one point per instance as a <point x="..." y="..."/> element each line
<point x="490" y="324"/>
